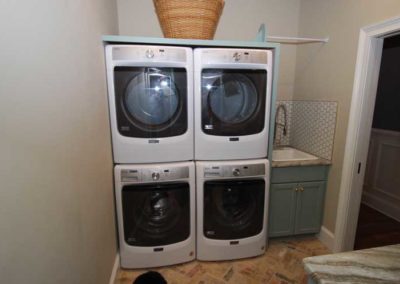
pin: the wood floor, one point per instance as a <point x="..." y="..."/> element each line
<point x="375" y="229"/>
<point x="281" y="264"/>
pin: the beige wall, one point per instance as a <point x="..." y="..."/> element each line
<point x="56" y="197"/>
<point x="326" y="72"/>
<point x="240" y="20"/>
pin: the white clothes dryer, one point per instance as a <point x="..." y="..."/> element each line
<point x="232" y="103"/>
<point x="156" y="213"/>
<point x="232" y="206"/>
<point x="150" y="99"/>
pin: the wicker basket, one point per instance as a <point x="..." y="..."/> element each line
<point x="194" y="19"/>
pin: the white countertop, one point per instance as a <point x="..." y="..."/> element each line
<point x="375" y="265"/>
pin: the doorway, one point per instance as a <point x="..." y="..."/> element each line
<point x="379" y="216"/>
<point x="358" y="133"/>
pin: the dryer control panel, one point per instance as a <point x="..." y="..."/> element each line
<point x="249" y="56"/>
<point x="234" y="171"/>
<point x="156" y="174"/>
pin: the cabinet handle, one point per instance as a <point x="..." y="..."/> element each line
<point x="296" y="189"/>
<point x="301" y="189"/>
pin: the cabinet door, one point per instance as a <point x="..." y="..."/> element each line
<point x="282" y="206"/>
<point x="310" y="200"/>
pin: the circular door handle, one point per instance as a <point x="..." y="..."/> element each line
<point x="155" y="176"/>
<point x="296" y="189"/>
<point x="301" y="189"/>
<point x="149" y="53"/>
<point x="236" y="56"/>
<point x="236" y="172"/>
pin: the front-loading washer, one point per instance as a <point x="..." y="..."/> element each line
<point x="232" y="103"/>
<point x="150" y="92"/>
<point x="156" y="213"/>
<point x="231" y="208"/>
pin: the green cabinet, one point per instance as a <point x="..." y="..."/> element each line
<point x="309" y="205"/>
<point x="296" y="200"/>
<point x="282" y="209"/>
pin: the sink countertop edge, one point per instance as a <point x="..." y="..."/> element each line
<point x="296" y="163"/>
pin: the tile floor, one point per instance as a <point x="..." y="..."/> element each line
<point x="282" y="263"/>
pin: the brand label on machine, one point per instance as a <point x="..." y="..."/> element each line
<point x="210" y="233"/>
<point x="130" y="175"/>
<point x="212" y="172"/>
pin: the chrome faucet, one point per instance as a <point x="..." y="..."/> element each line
<point x="278" y="124"/>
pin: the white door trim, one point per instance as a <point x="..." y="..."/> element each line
<point x="358" y="133"/>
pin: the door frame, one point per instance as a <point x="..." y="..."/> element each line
<point x="358" y="133"/>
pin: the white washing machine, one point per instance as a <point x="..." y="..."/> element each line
<point x="150" y="99"/>
<point x="232" y="206"/>
<point x="232" y="103"/>
<point x="156" y="213"/>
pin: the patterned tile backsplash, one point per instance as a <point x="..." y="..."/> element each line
<point x="310" y="126"/>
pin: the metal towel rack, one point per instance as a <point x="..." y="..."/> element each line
<point x="261" y="36"/>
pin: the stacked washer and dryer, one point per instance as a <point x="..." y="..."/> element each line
<point x="190" y="139"/>
<point x="151" y="117"/>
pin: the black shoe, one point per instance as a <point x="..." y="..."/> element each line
<point x="150" y="277"/>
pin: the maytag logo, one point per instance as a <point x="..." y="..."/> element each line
<point x="154" y="141"/>
<point x="210" y="233"/>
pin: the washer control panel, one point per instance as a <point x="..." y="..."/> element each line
<point x="234" y="171"/>
<point x="154" y="174"/>
<point x="148" y="53"/>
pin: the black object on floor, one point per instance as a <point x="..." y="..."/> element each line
<point x="150" y="277"/>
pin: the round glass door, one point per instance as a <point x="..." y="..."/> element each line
<point x="151" y="99"/>
<point x="232" y="98"/>
<point x="160" y="214"/>
<point x="235" y="207"/>
<point x="233" y="101"/>
<point x="151" y="102"/>
<point x="156" y="214"/>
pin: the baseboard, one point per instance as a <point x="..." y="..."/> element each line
<point x="327" y="238"/>
<point x="115" y="269"/>
<point x="382" y="205"/>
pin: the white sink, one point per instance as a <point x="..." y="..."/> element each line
<point x="290" y="154"/>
